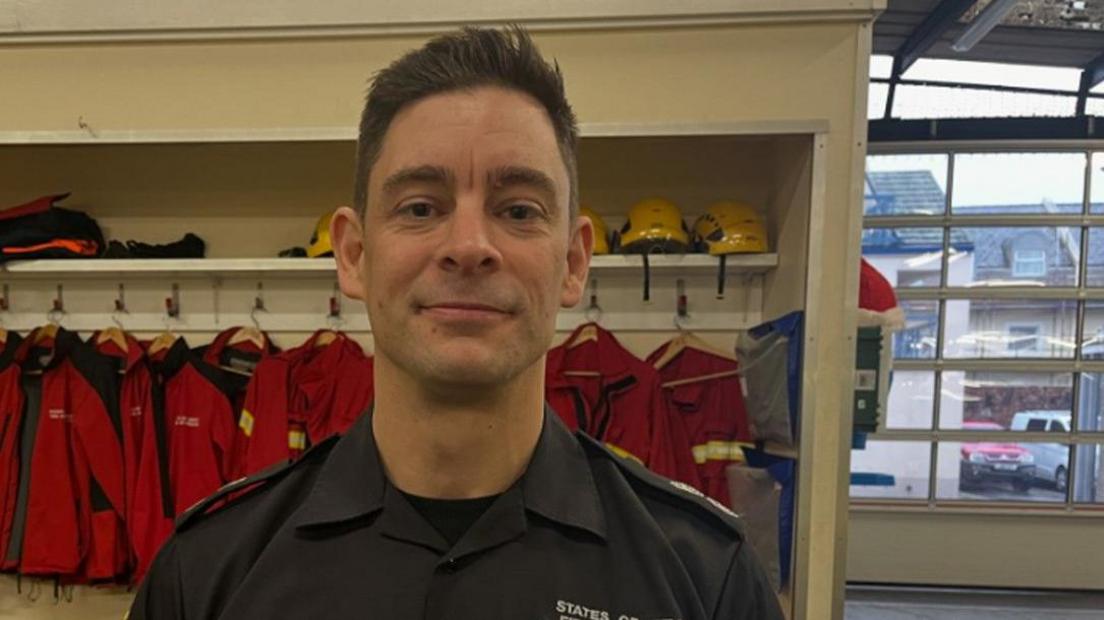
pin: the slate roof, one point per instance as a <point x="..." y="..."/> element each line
<point x="916" y="192"/>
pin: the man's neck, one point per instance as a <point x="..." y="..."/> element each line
<point x="455" y="448"/>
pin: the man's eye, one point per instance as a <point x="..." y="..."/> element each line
<point x="418" y="210"/>
<point x="522" y="212"/>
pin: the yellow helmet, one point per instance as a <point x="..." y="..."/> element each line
<point x="320" y="241"/>
<point x="654" y="225"/>
<point x="601" y="234"/>
<point x="731" y="228"/>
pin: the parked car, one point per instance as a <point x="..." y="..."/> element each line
<point x="994" y="462"/>
<point x="1051" y="459"/>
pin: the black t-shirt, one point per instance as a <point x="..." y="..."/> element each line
<point x="450" y="517"/>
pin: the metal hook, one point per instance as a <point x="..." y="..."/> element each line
<point x="681" y="313"/>
<point x="593" y="312"/>
<point x="172" y="304"/>
<point x="120" y="308"/>
<point x="333" y="318"/>
<point x="58" y="310"/>
<point x="258" y="305"/>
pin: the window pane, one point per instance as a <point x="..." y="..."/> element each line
<point x="905" y="185"/>
<point x="995" y="74"/>
<point x="1096" y="196"/>
<point x="881" y="65"/>
<point x="1088" y="481"/>
<point x="891" y="469"/>
<point x="917" y="339"/>
<point x="1002" y="328"/>
<point x="993" y="256"/>
<point x="1094" y="275"/>
<point x="910" y="399"/>
<point x="1017" y="401"/>
<point x="1002" y="471"/>
<point x="953" y="102"/>
<point x="1090" y="414"/>
<point x="1092" y="339"/>
<point x="1019" y="183"/>
<point x="907" y="257"/>
<point x="876" y="100"/>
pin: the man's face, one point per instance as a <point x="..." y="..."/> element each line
<point x="466" y="251"/>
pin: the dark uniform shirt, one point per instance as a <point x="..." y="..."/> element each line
<point x="582" y="535"/>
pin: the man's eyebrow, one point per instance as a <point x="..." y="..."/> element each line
<point x="506" y="176"/>
<point x="418" y="174"/>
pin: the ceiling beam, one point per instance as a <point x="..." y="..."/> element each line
<point x="1093" y="73"/>
<point x="982" y="24"/>
<point x="942" y="17"/>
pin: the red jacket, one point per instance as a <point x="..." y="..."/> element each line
<point x="67" y="518"/>
<point x="712" y="411"/>
<point x="11" y="413"/>
<point x="624" y="407"/>
<point x="187" y="450"/>
<point x="300" y="397"/>
<point x="239" y="361"/>
<point x="135" y="409"/>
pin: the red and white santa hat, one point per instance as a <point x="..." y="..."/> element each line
<point x="877" y="301"/>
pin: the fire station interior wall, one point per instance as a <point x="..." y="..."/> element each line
<point x="245" y="198"/>
<point x="987" y="550"/>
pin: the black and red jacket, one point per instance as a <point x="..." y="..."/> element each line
<point x="187" y="448"/>
<point x="601" y="388"/>
<point x="135" y="410"/>
<point x="67" y="515"/>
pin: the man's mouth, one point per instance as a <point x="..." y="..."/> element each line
<point x="463" y="311"/>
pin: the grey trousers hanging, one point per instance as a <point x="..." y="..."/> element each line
<point x="763" y="368"/>
<point x="754" y="495"/>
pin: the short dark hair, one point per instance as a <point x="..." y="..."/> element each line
<point x="468" y="59"/>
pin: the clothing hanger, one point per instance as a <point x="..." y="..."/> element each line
<point x="709" y="377"/>
<point x="325" y="338"/>
<point x="248" y="334"/>
<point x="163" y="341"/>
<point x="587" y="332"/>
<point x="689" y="340"/>
<point x="48" y="330"/>
<point x="115" y="335"/>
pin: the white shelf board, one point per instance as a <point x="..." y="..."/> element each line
<point x="218" y="135"/>
<point x="302" y="267"/>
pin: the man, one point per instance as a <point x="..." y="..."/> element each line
<point x="459" y="495"/>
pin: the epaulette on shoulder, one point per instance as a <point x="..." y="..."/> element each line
<point x="245" y="486"/>
<point x="680" y="493"/>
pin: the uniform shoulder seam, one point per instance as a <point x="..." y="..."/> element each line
<point x="672" y="490"/>
<point x="247" y="486"/>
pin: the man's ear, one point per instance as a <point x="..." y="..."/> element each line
<point x="347" y="238"/>
<point x="580" y="246"/>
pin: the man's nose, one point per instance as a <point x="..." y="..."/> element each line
<point x="469" y="245"/>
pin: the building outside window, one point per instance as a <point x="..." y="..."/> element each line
<point x="1029" y="263"/>
<point x="997" y="391"/>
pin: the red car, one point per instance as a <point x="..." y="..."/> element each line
<point x="988" y="461"/>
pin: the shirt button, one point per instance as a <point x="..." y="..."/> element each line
<point x="450" y="565"/>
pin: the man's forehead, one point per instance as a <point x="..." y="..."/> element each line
<point x="499" y="126"/>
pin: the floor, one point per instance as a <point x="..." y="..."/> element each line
<point x="882" y="603"/>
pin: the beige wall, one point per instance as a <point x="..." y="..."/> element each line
<point x="679" y="75"/>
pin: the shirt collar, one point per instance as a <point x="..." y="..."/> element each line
<point x="557" y="484"/>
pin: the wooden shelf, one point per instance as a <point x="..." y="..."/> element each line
<point x="299" y="267"/>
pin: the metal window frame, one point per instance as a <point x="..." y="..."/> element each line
<point x="1075" y="365"/>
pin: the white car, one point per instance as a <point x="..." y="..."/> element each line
<point x="1051" y="459"/>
